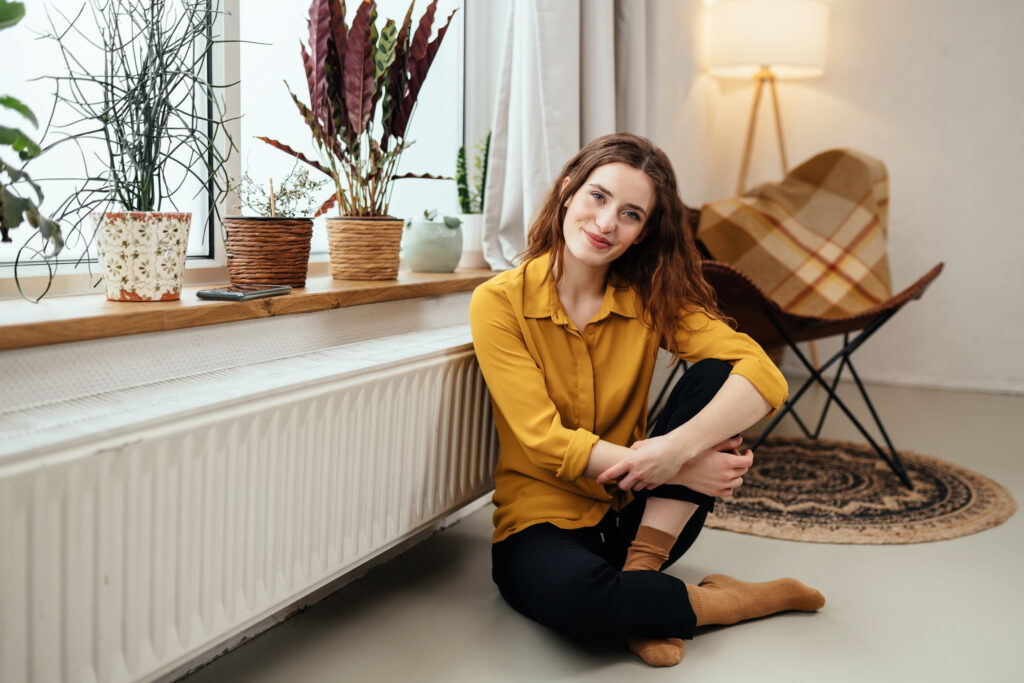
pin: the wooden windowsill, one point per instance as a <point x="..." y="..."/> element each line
<point x="90" y="316"/>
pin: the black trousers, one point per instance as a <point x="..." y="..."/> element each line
<point x="570" y="579"/>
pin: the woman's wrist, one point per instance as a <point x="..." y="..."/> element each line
<point x="681" y="444"/>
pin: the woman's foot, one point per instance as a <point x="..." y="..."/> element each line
<point x="648" y="552"/>
<point x="658" y="651"/>
<point x="723" y="600"/>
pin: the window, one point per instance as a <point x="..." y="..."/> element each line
<point x="38" y="60"/>
<point x="265" y="61"/>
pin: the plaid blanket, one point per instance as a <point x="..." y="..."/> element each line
<point x="814" y="242"/>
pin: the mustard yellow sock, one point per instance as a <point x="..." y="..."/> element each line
<point x="658" y="651"/>
<point x="649" y="550"/>
<point x="723" y="600"/>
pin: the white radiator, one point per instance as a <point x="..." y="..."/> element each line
<point x="141" y="526"/>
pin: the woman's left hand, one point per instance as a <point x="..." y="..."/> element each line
<point x="652" y="462"/>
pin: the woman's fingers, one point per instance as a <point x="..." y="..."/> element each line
<point x="613" y="472"/>
<point x="728" y="445"/>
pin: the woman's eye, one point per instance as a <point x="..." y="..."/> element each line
<point x="597" y="195"/>
<point x="632" y="215"/>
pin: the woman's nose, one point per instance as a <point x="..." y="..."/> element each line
<point x="605" y="220"/>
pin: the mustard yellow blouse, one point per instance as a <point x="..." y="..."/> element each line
<point x="557" y="389"/>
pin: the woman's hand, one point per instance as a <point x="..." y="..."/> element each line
<point x="651" y="463"/>
<point x="718" y="471"/>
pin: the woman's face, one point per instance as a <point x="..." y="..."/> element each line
<point x="607" y="214"/>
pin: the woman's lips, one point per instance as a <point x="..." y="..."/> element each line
<point x="598" y="242"/>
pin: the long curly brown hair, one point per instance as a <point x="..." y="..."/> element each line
<point x="664" y="267"/>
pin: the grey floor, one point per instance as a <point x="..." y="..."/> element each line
<point x="944" y="611"/>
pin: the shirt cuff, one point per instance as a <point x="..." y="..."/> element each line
<point x="766" y="378"/>
<point x="577" y="455"/>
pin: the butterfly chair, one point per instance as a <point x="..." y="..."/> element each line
<point x="831" y="287"/>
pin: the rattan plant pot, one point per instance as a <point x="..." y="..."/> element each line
<point x="364" y="248"/>
<point x="267" y="250"/>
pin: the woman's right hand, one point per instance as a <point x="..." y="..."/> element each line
<point x="718" y="471"/>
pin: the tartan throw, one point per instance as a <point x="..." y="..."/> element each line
<point x="815" y="242"/>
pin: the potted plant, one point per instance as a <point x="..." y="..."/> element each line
<point x="363" y="86"/>
<point x="147" y="112"/>
<point x="272" y="247"/>
<point x="16" y="203"/>
<point x="471" y="201"/>
<point x="432" y="246"/>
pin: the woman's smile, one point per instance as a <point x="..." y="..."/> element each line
<point x="596" y="240"/>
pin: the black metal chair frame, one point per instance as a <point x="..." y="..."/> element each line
<point x="772" y="326"/>
<point x="890" y="456"/>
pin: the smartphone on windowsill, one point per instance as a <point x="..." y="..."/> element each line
<point x="243" y="292"/>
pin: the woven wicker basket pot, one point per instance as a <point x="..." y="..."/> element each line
<point x="364" y="248"/>
<point x="141" y="254"/>
<point x="267" y="250"/>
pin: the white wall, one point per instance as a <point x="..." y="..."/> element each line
<point x="931" y="87"/>
<point x="934" y="89"/>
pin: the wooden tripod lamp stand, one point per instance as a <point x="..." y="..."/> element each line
<point x="766" y="40"/>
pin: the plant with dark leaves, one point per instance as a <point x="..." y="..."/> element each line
<point x="363" y="85"/>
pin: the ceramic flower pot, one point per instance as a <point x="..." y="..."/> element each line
<point x="472" y="241"/>
<point x="432" y="247"/>
<point x="364" y="248"/>
<point x="267" y="250"/>
<point x="141" y="254"/>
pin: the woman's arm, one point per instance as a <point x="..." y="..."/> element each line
<point x="518" y="388"/>
<point x="754" y="388"/>
<point x="651" y="462"/>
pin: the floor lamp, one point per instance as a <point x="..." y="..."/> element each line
<point x="766" y="40"/>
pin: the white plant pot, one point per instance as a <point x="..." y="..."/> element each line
<point x="141" y="254"/>
<point x="472" y="241"/>
<point x="431" y="247"/>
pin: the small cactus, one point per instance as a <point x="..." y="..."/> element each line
<point x="472" y="200"/>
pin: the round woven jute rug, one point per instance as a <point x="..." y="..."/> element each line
<point x="838" y="492"/>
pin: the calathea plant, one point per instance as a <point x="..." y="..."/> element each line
<point x="363" y="85"/>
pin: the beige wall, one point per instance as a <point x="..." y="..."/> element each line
<point x="935" y="89"/>
<point x="931" y="87"/>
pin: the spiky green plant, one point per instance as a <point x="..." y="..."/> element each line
<point x="471" y="200"/>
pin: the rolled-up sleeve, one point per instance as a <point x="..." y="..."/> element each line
<point x="518" y="390"/>
<point x="703" y="336"/>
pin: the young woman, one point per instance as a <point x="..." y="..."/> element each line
<point x="588" y="510"/>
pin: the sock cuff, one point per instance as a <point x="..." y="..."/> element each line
<point x="696" y="603"/>
<point x="648" y="535"/>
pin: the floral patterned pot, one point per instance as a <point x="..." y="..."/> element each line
<point x="142" y="254"/>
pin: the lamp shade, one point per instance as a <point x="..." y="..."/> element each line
<point x="787" y="36"/>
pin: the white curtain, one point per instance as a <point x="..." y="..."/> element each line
<point x="571" y="70"/>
